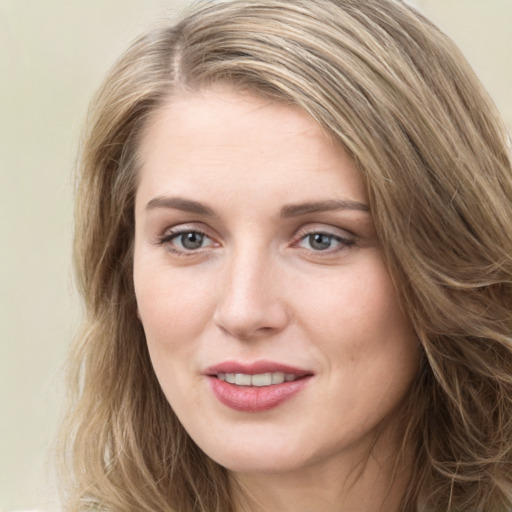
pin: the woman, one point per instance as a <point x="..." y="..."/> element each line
<point x="294" y="245"/>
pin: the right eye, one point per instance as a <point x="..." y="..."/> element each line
<point x="190" y="240"/>
<point x="186" y="241"/>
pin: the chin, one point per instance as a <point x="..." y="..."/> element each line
<point x="270" y="456"/>
<point x="271" y="464"/>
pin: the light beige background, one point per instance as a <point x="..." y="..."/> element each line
<point x="53" y="54"/>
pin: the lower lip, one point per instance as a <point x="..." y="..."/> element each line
<point x="254" y="398"/>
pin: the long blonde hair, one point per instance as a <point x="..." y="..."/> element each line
<point x="396" y="94"/>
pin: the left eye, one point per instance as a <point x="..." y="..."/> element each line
<point x="190" y="240"/>
<point x="322" y="241"/>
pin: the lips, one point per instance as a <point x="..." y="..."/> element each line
<point x="257" y="386"/>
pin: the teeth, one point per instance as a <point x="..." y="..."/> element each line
<point x="278" y="378"/>
<point x="242" y="379"/>
<point x="258" y="380"/>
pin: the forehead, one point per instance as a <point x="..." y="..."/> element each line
<point x="192" y="114"/>
<point x="220" y="136"/>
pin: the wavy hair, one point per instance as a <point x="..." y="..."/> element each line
<point x="399" y="97"/>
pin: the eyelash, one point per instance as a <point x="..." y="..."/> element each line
<point x="168" y="238"/>
<point x="167" y="241"/>
<point x="344" y="243"/>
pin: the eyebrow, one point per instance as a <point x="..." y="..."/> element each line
<point x="296" y="210"/>
<point x="287" y="211"/>
<point x="180" y="203"/>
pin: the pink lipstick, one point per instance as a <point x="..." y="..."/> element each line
<point x="257" y="386"/>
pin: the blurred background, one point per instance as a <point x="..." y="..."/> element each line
<point x="53" y="54"/>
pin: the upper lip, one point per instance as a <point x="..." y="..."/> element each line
<point x="255" y="368"/>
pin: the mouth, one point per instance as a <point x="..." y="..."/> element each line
<point x="258" y="373"/>
<point x="256" y="387"/>
<point x="257" y="380"/>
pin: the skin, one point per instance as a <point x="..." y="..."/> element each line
<point x="258" y="288"/>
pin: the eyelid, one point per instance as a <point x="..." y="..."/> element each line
<point x="328" y="229"/>
<point x="172" y="232"/>
<point x="345" y="238"/>
<point x="184" y="227"/>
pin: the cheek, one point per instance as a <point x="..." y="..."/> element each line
<point x="358" y="300"/>
<point x="357" y="324"/>
<point x="173" y="308"/>
<point x="173" y="312"/>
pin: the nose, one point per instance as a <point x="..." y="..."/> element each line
<point x="251" y="303"/>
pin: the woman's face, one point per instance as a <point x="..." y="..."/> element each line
<point x="256" y="261"/>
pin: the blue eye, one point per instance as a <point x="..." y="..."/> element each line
<point x="320" y="241"/>
<point x="323" y="242"/>
<point x="190" y="240"/>
<point x="186" y="241"/>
